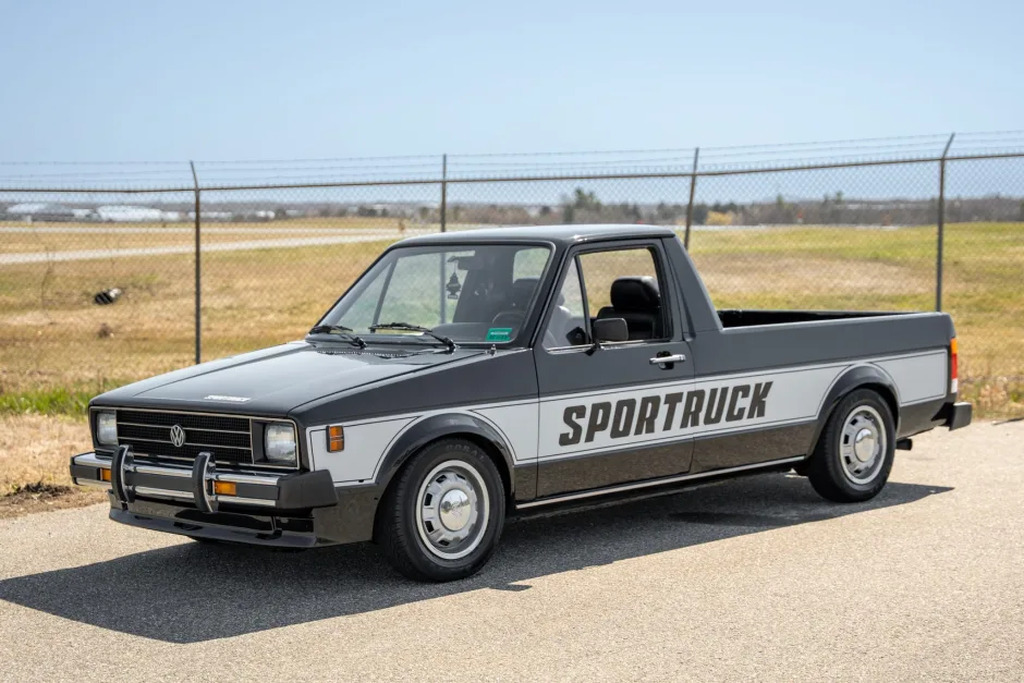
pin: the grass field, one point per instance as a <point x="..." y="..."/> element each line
<point x="57" y="348"/>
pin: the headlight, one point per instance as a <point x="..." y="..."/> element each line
<point x="279" y="444"/>
<point x="106" y="428"/>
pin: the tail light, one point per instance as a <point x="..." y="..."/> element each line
<point x="953" y="383"/>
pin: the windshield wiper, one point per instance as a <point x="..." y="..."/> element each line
<point x="416" y="328"/>
<point x="344" y="332"/>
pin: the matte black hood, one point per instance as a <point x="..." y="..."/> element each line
<point x="274" y="381"/>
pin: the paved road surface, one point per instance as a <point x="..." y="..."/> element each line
<point x="348" y="237"/>
<point x="750" y="579"/>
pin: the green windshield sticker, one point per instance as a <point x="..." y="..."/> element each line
<point x="499" y="334"/>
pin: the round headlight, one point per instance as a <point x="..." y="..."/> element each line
<point x="106" y="428"/>
<point x="279" y="444"/>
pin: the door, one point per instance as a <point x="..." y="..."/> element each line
<point x="611" y="412"/>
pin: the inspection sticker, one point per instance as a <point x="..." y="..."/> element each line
<point x="499" y="334"/>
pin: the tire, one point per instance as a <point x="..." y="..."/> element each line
<point x="854" y="454"/>
<point x="423" y="540"/>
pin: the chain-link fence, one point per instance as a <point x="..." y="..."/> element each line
<point x="113" y="272"/>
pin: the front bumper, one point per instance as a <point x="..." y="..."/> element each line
<point x="198" y="485"/>
<point x="956" y="415"/>
<point x="207" y="502"/>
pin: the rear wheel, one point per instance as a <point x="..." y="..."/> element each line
<point x="855" y="452"/>
<point x="442" y="517"/>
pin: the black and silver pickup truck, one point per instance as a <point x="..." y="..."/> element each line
<point x="468" y="376"/>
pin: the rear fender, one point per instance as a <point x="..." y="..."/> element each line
<point x="870" y="376"/>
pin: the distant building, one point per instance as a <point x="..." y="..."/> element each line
<point x="124" y="213"/>
<point x="35" y="212"/>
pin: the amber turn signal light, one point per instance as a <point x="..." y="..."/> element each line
<point x="104" y="474"/>
<point x="225" y="488"/>
<point x="335" y="439"/>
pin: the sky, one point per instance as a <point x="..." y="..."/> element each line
<point x="156" y="81"/>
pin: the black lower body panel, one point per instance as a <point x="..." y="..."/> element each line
<point x="604" y="469"/>
<point x="253" y="529"/>
<point x="754" y="446"/>
<point x="349" y="521"/>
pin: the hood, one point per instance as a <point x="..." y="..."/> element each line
<point x="273" y="381"/>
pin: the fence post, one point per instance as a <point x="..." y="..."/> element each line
<point x="689" y="207"/>
<point x="941" y="223"/>
<point x="198" y="283"/>
<point x="444" y="192"/>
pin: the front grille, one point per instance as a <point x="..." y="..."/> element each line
<point x="228" y="438"/>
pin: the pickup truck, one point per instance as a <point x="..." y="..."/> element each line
<point x="469" y="376"/>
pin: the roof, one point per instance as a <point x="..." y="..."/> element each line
<point x="559" y="234"/>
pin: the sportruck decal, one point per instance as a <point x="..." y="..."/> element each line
<point x="679" y="411"/>
<point x="630" y="417"/>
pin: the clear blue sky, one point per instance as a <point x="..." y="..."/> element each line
<point x="221" y="80"/>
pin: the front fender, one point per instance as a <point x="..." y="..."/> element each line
<point x="436" y="427"/>
<point x="853" y="378"/>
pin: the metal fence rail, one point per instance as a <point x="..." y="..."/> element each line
<point x="212" y="258"/>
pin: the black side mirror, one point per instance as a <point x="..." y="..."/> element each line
<point x="610" y="330"/>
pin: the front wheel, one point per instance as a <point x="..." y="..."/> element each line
<point x="442" y="517"/>
<point x="854" y="455"/>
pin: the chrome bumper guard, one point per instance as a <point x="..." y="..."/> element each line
<point x="129" y="479"/>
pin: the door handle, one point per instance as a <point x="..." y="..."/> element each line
<point x="661" y="360"/>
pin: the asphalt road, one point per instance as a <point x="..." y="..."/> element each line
<point x="346" y="237"/>
<point x="756" y="578"/>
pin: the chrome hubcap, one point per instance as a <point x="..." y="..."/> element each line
<point x="452" y="510"/>
<point x="862" y="444"/>
<point x="455" y="510"/>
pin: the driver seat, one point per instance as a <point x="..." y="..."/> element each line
<point x="636" y="300"/>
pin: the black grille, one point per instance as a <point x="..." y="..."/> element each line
<point x="222" y="423"/>
<point x="149" y="434"/>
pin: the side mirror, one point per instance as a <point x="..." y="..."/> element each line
<point x="610" y="330"/>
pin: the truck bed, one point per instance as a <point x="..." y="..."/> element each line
<point x="735" y="317"/>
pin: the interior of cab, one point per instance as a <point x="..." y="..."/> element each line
<point x="636" y="300"/>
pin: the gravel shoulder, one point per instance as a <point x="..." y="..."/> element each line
<point x="756" y="578"/>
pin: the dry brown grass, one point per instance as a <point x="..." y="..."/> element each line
<point x="53" y="335"/>
<point x="34" y="454"/>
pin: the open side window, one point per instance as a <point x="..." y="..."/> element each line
<point x="622" y="283"/>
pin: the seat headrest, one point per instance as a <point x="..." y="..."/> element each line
<point x="522" y="291"/>
<point x="636" y="294"/>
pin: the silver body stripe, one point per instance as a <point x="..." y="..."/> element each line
<point x="531" y="428"/>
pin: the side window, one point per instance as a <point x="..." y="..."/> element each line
<point x="568" y="323"/>
<point x="623" y="283"/>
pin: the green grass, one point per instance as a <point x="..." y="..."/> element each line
<point x="70" y="401"/>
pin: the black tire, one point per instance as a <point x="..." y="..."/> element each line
<point x="413" y="542"/>
<point x="835" y="469"/>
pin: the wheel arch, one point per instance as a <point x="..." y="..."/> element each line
<point x="449" y="426"/>
<point x="858" y="377"/>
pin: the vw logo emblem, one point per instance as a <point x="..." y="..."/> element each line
<point x="177" y="436"/>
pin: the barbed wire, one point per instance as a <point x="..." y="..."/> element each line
<point x="115" y="176"/>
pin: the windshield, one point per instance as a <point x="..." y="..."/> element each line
<point x="475" y="293"/>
